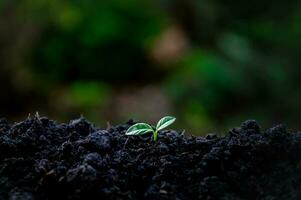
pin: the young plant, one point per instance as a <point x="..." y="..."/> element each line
<point x="143" y="128"/>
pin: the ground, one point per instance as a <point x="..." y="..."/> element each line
<point x="43" y="159"/>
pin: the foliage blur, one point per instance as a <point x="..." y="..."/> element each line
<point x="210" y="63"/>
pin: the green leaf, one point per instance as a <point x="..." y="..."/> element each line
<point x="164" y="122"/>
<point x="139" y="129"/>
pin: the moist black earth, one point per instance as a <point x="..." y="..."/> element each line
<point x="43" y="159"/>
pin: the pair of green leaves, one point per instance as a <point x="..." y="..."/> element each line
<point x="143" y="128"/>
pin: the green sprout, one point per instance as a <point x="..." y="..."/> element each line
<point x="143" y="128"/>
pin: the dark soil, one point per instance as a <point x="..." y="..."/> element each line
<point x="41" y="159"/>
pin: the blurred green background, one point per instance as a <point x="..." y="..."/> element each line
<point x="210" y="63"/>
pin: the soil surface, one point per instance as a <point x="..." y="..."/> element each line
<point x="42" y="159"/>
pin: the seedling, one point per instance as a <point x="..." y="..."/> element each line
<point x="143" y="128"/>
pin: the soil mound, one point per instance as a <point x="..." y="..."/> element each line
<point x="42" y="159"/>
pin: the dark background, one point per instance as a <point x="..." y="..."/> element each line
<point x="210" y="63"/>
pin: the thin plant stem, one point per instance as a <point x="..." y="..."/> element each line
<point x="155" y="135"/>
